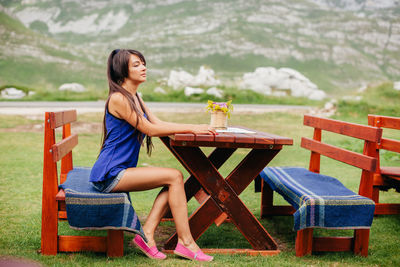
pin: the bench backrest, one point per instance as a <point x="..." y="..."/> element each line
<point x="55" y="151"/>
<point x="367" y="161"/>
<point x="389" y="123"/>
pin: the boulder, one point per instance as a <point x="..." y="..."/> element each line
<point x="214" y="91"/>
<point x="396" y="86"/>
<point x="159" y="90"/>
<point x="193" y="91"/>
<point x="181" y="79"/>
<point x="12" y="93"/>
<point x="281" y="82"/>
<point x="73" y="87"/>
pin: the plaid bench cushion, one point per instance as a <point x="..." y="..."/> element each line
<point x="88" y="208"/>
<point x="320" y="201"/>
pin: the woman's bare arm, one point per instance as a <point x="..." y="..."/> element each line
<point x="152" y="126"/>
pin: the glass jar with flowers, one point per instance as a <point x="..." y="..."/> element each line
<point x="220" y="112"/>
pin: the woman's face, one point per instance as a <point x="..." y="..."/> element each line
<point x="137" y="70"/>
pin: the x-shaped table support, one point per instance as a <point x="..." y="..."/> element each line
<point x="223" y="192"/>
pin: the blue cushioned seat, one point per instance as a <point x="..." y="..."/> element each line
<point x="88" y="208"/>
<point x="320" y="201"/>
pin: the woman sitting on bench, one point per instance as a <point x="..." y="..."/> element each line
<point x="127" y="121"/>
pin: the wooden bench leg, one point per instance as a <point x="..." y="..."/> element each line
<point x="267" y="198"/>
<point x="304" y="242"/>
<point x="361" y="240"/>
<point x="115" y="243"/>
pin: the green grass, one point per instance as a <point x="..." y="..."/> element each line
<point x="21" y="183"/>
<point x="380" y="99"/>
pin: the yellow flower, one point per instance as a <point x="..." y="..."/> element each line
<point x="225" y="107"/>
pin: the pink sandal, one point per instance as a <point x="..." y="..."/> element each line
<point x="183" y="251"/>
<point x="151" y="252"/>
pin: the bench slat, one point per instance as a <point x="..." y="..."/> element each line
<point x="390" y="144"/>
<point x="385" y="121"/>
<point x="62" y="148"/>
<point x="82" y="243"/>
<point x="355" y="159"/>
<point x="61" y="118"/>
<point x="345" y="128"/>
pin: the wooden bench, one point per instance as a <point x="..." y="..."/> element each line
<point x="305" y="242"/>
<point x="53" y="199"/>
<point x="386" y="177"/>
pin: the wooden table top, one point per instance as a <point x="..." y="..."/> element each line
<point x="257" y="139"/>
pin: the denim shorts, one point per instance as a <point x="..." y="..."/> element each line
<point x="108" y="185"/>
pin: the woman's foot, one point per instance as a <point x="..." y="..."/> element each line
<point x="185" y="252"/>
<point x="151" y="252"/>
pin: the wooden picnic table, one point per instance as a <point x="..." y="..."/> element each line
<point x="218" y="196"/>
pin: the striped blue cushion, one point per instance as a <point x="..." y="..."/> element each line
<point x="320" y="201"/>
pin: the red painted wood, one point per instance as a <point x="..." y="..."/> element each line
<point x="263" y="139"/>
<point x="204" y="137"/>
<point x="225" y="197"/>
<point x="223" y="144"/>
<point x="368" y="162"/>
<point x="249" y="168"/>
<point x="82" y="243"/>
<point x="304" y="242"/>
<point x="390" y="144"/>
<point x="60" y="118"/>
<point x="115" y="243"/>
<point x="53" y="200"/>
<point x="65" y="146"/>
<point x="234" y="251"/>
<point x="386" y="177"/>
<point x="221" y="218"/>
<point x="340" y="154"/>
<point x="333" y="243"/>
<point x="199" y="221"/>
<point x="61" y="205"/>
<point x="267" y="198"/>
<point x="390" y="171"/>
<point x="315" y="159"/>
<point x="60" y="195"/>
<point x="367" y="177"/>
<point x="50" y="189"/>
<point x="217" y="157"/>
<point x="384" y="121"/>
<point x="224" y="137"/>
<point x="244" y="138"/>
<point x="183" y="137"/>
<point x="214" y="206"/>
<point x="66" y="161"/>
<point x="346" y="128"/>
<point x="361" y="241"/>
<point x="62" y="215"/>
<point x="276" y="139"/>
<point x="387" y="208"/>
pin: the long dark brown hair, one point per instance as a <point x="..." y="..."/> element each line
<point x="117" y="71"/>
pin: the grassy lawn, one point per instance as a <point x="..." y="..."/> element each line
<point x="21" y="143"/>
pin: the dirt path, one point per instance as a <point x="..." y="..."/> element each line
<point x="38" y="108"/>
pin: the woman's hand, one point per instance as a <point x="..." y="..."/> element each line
<point x="203" y="129"/>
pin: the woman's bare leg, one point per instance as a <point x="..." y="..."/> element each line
<point x="139" y="179"/>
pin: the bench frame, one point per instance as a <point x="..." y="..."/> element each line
<point x="305" y="242"/>
<point x="53" y="199"/>
<point x="383" y="177"/>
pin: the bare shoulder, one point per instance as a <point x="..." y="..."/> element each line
<point x="118" y="104"/>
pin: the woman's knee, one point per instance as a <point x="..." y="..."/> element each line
<point x="175" y="176"/>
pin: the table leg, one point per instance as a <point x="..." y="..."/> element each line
<point x="224" y="194"/>
<point x="217" y="157"/>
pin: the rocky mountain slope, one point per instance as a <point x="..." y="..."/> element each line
<point x="335" y="43"/>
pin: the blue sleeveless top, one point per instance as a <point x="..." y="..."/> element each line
<point x="120" y="150"/>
